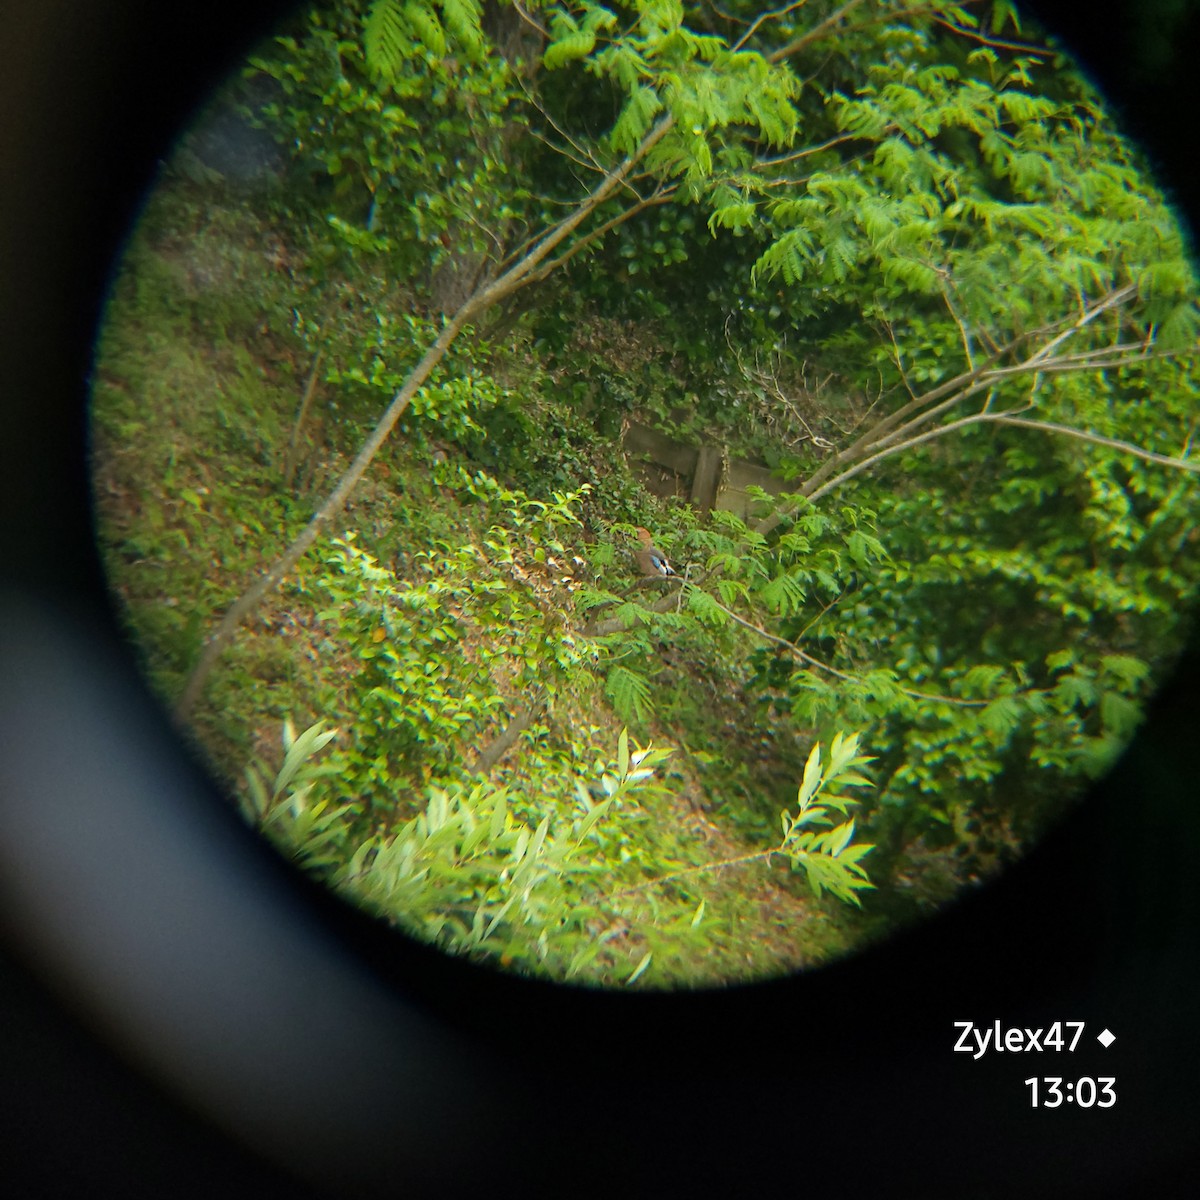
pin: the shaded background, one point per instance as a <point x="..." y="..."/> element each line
<point x="185" y="1016"/>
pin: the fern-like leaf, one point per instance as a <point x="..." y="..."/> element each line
<point x="629" y="693"/>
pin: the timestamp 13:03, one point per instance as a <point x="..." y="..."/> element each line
<point x="1051" y="1091"/>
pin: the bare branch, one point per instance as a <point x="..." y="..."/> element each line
<point x="767" y="378"/>
<point x="883" y="428"/>
<point x="530" y="21"/>
<point x="999" y="43"/>
<point x="962" y="387"/>
<point x="810" y="150"/>
<point x="1085" y="362"/>
<point x="516" y="277"/>
<point x="1166" y="460"/>
<point x="795" y="650"/>
<point x="292" y="455"/>
<point x="588" y="164"/>
<point x="1008" y="418"/>
<point x="898" y="359"/>
<point x="660" y="197"/>
<point x="763" y="19"/>
<point x="962" y="329"/>
<point x="816" y="33"/>
<point x="898" y="448"/>
<point x="819" y="31"/>
<point x="1115" y="297"/>
<point x="582" y="155"/>
<point x="521" y="272"/>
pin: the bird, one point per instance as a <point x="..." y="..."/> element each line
<point x="650" y="559"/>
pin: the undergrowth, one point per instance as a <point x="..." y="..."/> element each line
<point x="445" y="608"/>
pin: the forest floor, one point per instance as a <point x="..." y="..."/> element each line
<point x="190" y="419"/>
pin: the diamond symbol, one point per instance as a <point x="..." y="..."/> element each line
<point x="1106" y="1039"/>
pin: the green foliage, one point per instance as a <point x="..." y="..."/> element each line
<point x="440" y="652"/>
<point x="395" y="32"/>
<point x="413" y="144"/>
<point x="312" y="831"/>
<point x="629" y="692"/>
<point x="887" y="201"/>
<point x="824" y="851"/>
<point x="470" y="876"/>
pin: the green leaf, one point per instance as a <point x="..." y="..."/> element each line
<point x="1002" y="716"/>
<point x="640" y="969"/>
<point x="812" y="776"/>
<point x="629" y="692"/>
<point x="566" y="49"/>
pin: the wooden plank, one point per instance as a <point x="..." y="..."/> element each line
<point x="641" y="442"/>
<point x="706" y="481"/>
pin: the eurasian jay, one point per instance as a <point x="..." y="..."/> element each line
<point x="650" y="559"/>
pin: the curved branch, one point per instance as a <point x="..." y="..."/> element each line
<point x="1006" y="418"/>
<point x="652" y="201"/>
<point x="922" y="409"/>
<point x="815" y="34"/>
<point x="816" y="662"/>
<point x="762" y="19"/>
<point x="1083" y="435"/>
<point x="512" y="280"/>
<point x="999" y="43"/>
<point x="898" y="448"/>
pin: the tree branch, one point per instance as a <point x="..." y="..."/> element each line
<point x="1006" y="418"/>
<point x="652" y="201"/>
<point x="999" y="43"/>
<point x="491" y="754"/>
<point x="816" y="662"/>
<point x="481" y="300"/>
<point x="899" y="448"/>
<point x="815" y="34"/>
<point x="222" y="636"/>
<point x="810" y="150"/>
<point x="292" y="454"/>
<point x="762" y="19"/>
<point x="1083" y="435"/>
<point x="957" y="389"/>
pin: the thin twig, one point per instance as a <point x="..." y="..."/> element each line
<point x="291" y="457"/>
<point x="763" y="19"/>
<point x="960" y="387"/>
<point x="810" y="150"/>
<point x="600" y="231"/>
<point x="815" y="34"/>
<point x="816" y="662"/>
<point x="1006" y="418"/>
<point x="1166" y="460"/>
<point x="713" y="866"/>
<point x="530" y="21"/>
<point x="962" y="329"/>
<point x="999" y="43"/>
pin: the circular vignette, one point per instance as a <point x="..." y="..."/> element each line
<point x="1057" y="933"/>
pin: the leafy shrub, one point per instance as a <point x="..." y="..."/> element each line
<point x="467" y="874"/>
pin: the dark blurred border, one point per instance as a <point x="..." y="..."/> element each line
<point x="184" y="1017"/>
